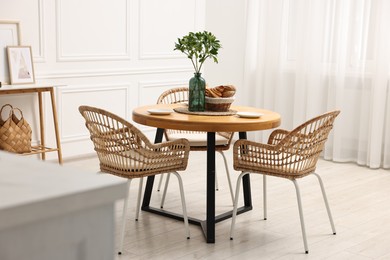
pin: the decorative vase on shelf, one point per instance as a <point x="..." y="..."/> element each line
<point x="196" y="98"/>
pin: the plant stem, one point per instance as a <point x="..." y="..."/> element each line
<point x="202" y="63"/>
<point x="197" y="65"/>
<point x="193" y="64"/>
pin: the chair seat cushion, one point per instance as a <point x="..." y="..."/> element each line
<point x="198" y="139"/>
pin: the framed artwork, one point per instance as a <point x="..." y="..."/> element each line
<point x="20" y="63"/>
<point x="9" y="35"/>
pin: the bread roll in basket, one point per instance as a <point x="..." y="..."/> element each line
<point x="219" y="98"/>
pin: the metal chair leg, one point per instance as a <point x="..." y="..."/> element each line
<point x="125" y="203"/>
<point x="228" y="175"/>
<point x="216" y="182"/>
<point x="326" y="203"/>
<point x="183" y="203"/>
<point x="160" y="182"/>
<point x="141" y="181"/>
<point x="265" y="196"/>
<point x="235" y="204"/>
<point x="301" y="216"/>
<point x="165" y="190"/>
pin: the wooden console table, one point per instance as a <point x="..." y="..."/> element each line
<point x="41" y="147"/>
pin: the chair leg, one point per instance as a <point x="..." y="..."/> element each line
<point x="160" y="182"/>
<point x="141" y="181"/>
<point x="326" y="203"/>
<point x="301" y="216"/>
<point x="124" y="218"/>
<point x="183" y="203"/>
<point x="165" y="190"/>
<point x="235" y="204"/>
<point x="265" y="196"/>
<point x="216" y="182"/>
<point x="228" y="175"/>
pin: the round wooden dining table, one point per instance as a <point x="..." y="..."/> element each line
<point x="241" y="120"/>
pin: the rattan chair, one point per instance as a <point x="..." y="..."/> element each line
<point x="288" y="154"/>
<point x="126" y="152"/>
<point x="197" y="139"/>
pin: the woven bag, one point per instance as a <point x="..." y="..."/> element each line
<point x="15" y="133"/>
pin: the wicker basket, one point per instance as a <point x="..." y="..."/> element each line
<point x="218" y="104"/>
<point x="15" y="132"/>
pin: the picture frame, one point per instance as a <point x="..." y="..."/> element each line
<point x="21" y="65"/>
<point x="9" y="35"/>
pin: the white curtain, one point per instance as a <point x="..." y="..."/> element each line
<point x="306" y="57"/>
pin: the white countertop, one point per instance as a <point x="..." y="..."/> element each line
<point x="31" y="189"/>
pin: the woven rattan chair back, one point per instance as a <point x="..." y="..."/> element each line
<point x="125" y="151"/>
<point x="295" y="153"/>
<point x="174" y="96"/>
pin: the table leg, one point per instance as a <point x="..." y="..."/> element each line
<point x="246" y="182"/>
<point x="41" y="124"/>
<point x="54" y="110"/>
<point x="210" y="207"/>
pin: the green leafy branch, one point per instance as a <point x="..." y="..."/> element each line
<point x="198" y="47"/>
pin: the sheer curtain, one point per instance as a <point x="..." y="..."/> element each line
<point x="306" y="57"/>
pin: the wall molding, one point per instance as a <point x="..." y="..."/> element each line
<point x="63" y="57"/>
<point x="153" y="84"/>
<point x="41" y="57"/>
<point x="68" y="90"/>
<point x="142" y="55"/>
<point x="142" y="85"/>
<point x="114" y="72"/>
<point x="158" y="84"/>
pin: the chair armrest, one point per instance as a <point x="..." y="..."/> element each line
<point x="179" y="144"/>
<point x="177" y="148"/>
<point x="277" y="135"/>
<point x="243" y="145"/>
<point x="254" y="154"/>
<point x="253" y="151"/>
<point x="141" y="145"/>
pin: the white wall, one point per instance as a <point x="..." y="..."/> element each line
<point x="116" y="54"/>
<point x="226" y="19"/>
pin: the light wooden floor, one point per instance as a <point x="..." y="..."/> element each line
<point x="359" y="199"/>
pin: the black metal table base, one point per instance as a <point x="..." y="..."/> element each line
<point x="195" y="221"/>
<point x="208" y="225"/>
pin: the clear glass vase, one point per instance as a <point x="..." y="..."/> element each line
<point x="196" y="96"/>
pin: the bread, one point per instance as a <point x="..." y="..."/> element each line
<point x="211" y="93"/>
<point x="220" y="88"/>
<point x="221" y="91"/>
<point x="230" y="88"/>
<point x="228" y="93"/>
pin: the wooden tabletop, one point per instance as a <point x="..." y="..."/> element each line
<point x="180" y="121"/>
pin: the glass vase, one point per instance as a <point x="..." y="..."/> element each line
<point x="196" y="98"/>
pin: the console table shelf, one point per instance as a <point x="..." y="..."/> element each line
<point x="39" y="89"/>
<point x="40" y="149"/>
